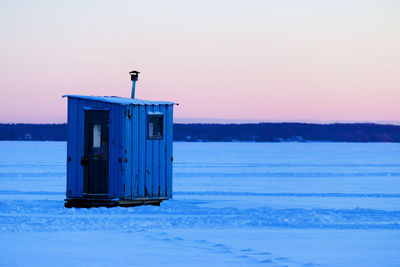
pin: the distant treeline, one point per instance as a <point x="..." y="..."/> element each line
<point x="254" y="132"/>
<point x="35" y="132"/>
<point x="283" y="132"/>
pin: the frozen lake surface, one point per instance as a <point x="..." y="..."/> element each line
<point x="242" y="204"/>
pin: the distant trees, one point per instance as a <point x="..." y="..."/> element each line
<point x="254" y="132"/>
<point x="281" y="132"/>
<point x="37" y="132"/>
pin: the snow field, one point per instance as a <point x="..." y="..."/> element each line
<point x="245" y="204"/>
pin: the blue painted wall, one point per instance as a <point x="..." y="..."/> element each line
<point x="145" y="170"/>
<point x="147" y="164"/>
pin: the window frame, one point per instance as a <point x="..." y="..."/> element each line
<point x="159" y="119"/>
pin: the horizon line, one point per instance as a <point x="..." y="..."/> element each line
<point x="246" y="121"/>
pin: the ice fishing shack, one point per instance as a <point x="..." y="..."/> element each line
<point x="119" y="150"/>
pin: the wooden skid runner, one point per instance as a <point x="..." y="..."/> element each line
<point x="93" y="202"/>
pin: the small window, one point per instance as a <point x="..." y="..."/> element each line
<point x="96" y="135"/>
<point x="155" y="126"/>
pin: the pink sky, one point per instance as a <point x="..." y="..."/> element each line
<point x="307" y="61"/>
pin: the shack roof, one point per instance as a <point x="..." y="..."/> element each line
<point x="121" y="100"/>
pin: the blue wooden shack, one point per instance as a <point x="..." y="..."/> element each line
<point x="119" y="150"/>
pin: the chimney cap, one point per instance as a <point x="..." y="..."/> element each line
<point x="134" y="75"/>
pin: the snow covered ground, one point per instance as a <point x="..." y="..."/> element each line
<point x="244" y="204"/>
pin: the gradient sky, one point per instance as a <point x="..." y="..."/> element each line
<point x="320" y="61"/>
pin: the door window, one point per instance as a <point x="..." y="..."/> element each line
<point x="96" y="135"/>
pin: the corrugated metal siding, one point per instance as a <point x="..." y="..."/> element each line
<point x="75" y="147"/>
<point x="135" y="152"/>
<point x="169" y="140"/>
<point x="116" y="137"/>
<point x="145" y="170"/>
<point x="79" y="146"/>
<point x="72" y="136"/>
<point x="156" y="163"/>
<point x="149" y="159"/>
<point x="142" y="150"/>
<point x="163" y="154"/>
<point x="128" y="134"/>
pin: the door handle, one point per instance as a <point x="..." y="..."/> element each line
<point x="85" y="161"/>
